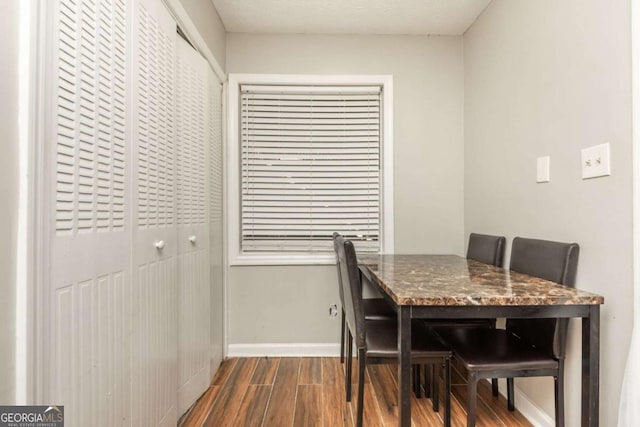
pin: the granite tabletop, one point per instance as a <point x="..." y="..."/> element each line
<point x="448" y="280"/>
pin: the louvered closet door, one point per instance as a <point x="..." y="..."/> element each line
<point x="193" y="225"/>
<point x="86" y="305"/>
<point x="155" y="247"/>
<point x="215" y="217"/>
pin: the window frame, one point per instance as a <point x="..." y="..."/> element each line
<point x="234" y="179"/>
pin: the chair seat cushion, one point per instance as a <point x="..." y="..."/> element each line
<point x="382" y="341"/>
<point x="484" y="349"/>
<point x="378" y="309"/>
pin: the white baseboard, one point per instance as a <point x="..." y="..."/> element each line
<point x="530" y="410"/>
<point x="284" y="350"/>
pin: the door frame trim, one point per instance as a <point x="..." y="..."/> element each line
<point x="31" y="312"/>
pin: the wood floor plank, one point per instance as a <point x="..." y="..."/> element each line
<point x="202" y="407"/>
<point x="225" y="408"/>
<point x="288" y="402"/>
<point x="484" y="416"/>
<point x="386" y="392"/>
<point x="422" y="413"/>
<point x="421" y="409"/>
<point x="308" y="411"/>
<point x="348" y="416"/>
<point x="223" y="371"/>
<point x="336" y="410"/>
<point x="254" y="406"/>
<point x="458" y="413"/>
<point x="265" y="371"/>
<point x="310" y="371"/>
<point x="499" y="407"/>
<point x="371" y="415"/>
<point x="282" y="403"/>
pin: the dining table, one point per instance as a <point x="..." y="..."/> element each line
<point x="453" y="287"/>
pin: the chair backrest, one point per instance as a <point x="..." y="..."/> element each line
<point x="352" y="290"/>
<point x="335" y="248"/>
<point x="554" y="261"/>
<point x="487" y="249"/>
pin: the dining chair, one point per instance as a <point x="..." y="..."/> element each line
<point x="483" y="248"/>
<point x="488" y="250"/>
<point x="527" y="347"/>
<point x="377" y="340"/>
<point x="374" y="308"/>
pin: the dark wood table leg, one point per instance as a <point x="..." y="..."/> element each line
<point x="591" y="367"/>
<point x="404" y="366"/>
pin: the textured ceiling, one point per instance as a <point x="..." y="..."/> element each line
<point x="442" y="17"/>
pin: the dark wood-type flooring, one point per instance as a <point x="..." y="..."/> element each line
<point x="310" y="392"/>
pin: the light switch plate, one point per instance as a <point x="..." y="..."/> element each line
<point x="543" y="169"/>
<point x="596" y="161"/>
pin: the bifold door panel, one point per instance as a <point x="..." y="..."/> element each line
<point x="86" y="305"/>
<point x="155" y="246"/>
<point x="192" y="107"/>
<point x="133" y="238"/>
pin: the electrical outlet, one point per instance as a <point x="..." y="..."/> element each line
<point x="333" y="310"/>
<point x="596" y="161"/>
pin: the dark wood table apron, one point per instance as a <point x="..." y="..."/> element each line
<point x="448" y="286"/>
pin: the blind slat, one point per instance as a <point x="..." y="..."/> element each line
<point x="281" y="120"/>
<point x="298" y="194"/>
<point x="298" y="140"/>
<point x="319" y="116"/>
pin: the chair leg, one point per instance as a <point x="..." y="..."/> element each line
<point x="342" y="337"/>
<point x="447" y="392"/>
<point x="362" y="364"/>
<point x="416" y="381"/>
<point x="494" y="387"/>
<point x="472" y="390"/>
<point x="435" y="379"/>
<point x="427" y="381"/>
<point x="559" y="394"/>
<point x="435" y="392"/>
<point x="510" y="397"/>
<point x="348" y="367"/>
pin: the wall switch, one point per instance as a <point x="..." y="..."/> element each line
<point x="543" y="169"/>
<point x="595" y="161"/>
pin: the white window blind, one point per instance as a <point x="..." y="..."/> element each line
<point x="310" y="165"/>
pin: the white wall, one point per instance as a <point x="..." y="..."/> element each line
<point x="290" y="304"/>
<point x="550" y="77"/>
<point x="9" y="19"/>
<point x="205" y="17"/>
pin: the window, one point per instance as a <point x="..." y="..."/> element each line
<point x="308" y="156"/>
